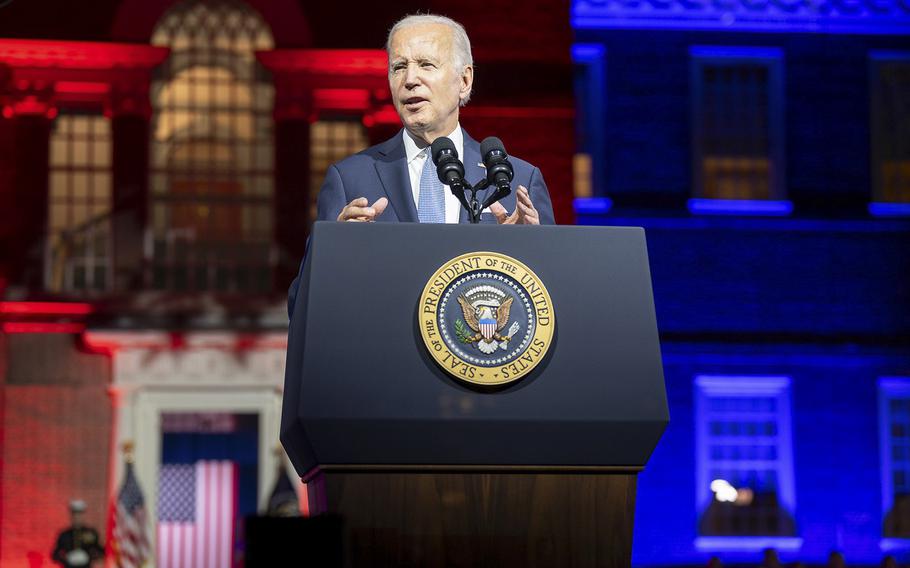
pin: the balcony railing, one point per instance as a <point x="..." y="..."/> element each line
<point x="180" y="261"/>
<point x="78" y="260"/>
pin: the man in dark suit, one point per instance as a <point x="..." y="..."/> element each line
<point x="431" y="74"/>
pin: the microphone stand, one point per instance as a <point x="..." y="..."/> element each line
<point x="472" y="205"/>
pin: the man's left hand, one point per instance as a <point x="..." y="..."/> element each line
<point x="524" y="214"/>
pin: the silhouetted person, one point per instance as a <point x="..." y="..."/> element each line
<point x="836" y="560"/>
<point x="78" y="545"/>
<point x="770" y="558"/>
<point x="889" y="562"/>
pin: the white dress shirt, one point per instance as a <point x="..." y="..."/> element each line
<point x="417" y="157"/>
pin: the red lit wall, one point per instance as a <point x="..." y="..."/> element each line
<point x="537" y="136"/>
<point x="56" y="432"/>
<point x="55" y="416"/>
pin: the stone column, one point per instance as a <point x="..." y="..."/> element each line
<point x="25" y="134"/>
<point x="292" y="182"/>
<point x="130" y="113"/>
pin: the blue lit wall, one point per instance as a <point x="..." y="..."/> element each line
<point x="646" y="111"/>
<point x="821" y="295"/>
<point x="823" y="302"/>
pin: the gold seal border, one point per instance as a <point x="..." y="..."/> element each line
<point x="428" y="312"/>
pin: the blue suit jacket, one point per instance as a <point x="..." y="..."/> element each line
<point x="382" y="171"/>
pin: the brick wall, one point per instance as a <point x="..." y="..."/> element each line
<point x="836" y="455"/>
<point x="768" y="276"/>
<point x="823" y="301"/>
<point x="56" y="442"/>
<point x="545" y="142"/>
<point x="826" y="110"/>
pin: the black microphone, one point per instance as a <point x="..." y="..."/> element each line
<point x="448" y="167"/>
<point x="499" y="169"/>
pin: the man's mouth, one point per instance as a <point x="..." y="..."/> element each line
<point x="414" y="103"/>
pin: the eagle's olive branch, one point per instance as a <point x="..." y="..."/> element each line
<point x="461" y="332"/>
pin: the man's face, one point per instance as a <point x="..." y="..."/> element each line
<point x="426" y="86"/>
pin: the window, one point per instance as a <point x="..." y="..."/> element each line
<point x="737" y="118"/>
<point x="211" y="167"/>
<point x="744" y="460"/>
<point x="79" y="206"/>
<point x="894" y="421"/>
<point x="890" y="117"/>
<point x="332" y="140"/>
<point x="589" y="81"/>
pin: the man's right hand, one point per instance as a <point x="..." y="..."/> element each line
<point x="360" y="210"/>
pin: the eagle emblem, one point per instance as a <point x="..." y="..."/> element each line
<point x="486" y="311"/>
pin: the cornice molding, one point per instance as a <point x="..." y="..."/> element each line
<point x="70" y="55"/>
<point x="143" y="359"/>
<point x="352" y="62"/>
<point x="875" y="17"/>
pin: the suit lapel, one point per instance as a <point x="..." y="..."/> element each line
<point x="473" y="170"/>
<point x="392" y="168"/>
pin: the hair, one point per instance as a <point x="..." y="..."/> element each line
<point x="461" y="55"/>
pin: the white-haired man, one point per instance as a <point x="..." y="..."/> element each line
<point x="431" y="74"/>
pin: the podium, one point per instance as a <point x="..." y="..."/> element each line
<point x="428" y="470"/>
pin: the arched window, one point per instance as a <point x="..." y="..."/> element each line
<point x="211" y="165"/>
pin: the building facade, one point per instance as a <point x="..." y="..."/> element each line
<point x="159" y="163"/>
<point x="763" y="146"/>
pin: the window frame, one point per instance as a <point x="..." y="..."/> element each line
<point x="232" y="199"/>
<point x="877" y="205"/>
<point x="707" y="386"/>
<point x="889" y="388"/>
<point x="702" y="56"/>
<point x="590" y="61"/>
<point x="91" y="168"/>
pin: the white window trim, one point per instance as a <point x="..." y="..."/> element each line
<point x="889" y="388"/>
<point x="707" y="386"/>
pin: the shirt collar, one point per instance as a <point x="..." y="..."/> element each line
<point x="411" y="149"/>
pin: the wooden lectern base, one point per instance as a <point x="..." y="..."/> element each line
<point x="476" y="517"/>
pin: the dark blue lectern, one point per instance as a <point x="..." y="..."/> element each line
<point x="427" y="470"/>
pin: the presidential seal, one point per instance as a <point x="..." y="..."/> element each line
<point x="486" y="318"/>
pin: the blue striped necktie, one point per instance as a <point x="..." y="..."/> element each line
<point x="431" y="204"/>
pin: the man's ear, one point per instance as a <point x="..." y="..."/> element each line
<point x="467" y="81"/>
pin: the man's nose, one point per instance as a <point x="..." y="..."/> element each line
<point x="412" y="76"/>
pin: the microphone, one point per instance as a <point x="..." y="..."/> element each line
<point x="448" y="167"/>
<point x="499" y="169"/>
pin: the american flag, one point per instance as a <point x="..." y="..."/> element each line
<point x="130" y="537"/>
<point x="196" y="508"/>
